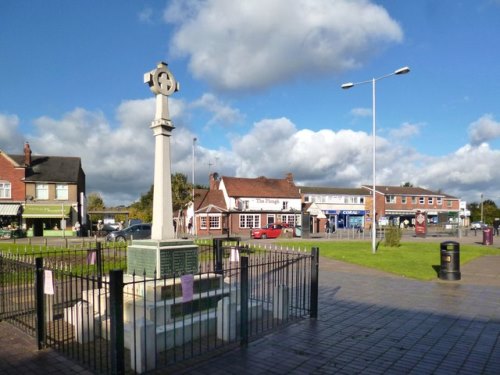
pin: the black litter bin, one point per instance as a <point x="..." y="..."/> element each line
<point x="450" y="261"/>
<point x="488" y="236"/>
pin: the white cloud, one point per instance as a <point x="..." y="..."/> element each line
<point x="405" y="131"/>
<point x="361" y="112"/>
<point x="465" y="173"/>
<point x="223" y="114"/>
<point x="10" y="139"/>
<point x="484" y="129"/>
<point x="118" y="157"/>
<point x="258" y="43"/>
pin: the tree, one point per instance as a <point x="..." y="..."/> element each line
<point x="95" y="202"/>
<point x="490" y="211"/>
<point x="143" y="209"/>
<point x="407" y="184"/>
<point x="181" y="198"/>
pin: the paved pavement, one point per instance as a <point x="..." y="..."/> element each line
<point x="369" y="323"/>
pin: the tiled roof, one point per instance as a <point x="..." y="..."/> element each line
<point x="406" y="190"/>
<point x="51" y="168"/>
<point x="332" y="190"/>
<point x="260" y="187"/>
<point x="199" y="197"/>
<point x="213" y="198"/>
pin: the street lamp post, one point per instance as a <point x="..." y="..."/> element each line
<point x="373" y="81"/>
<point x="194" y="208"/>
<point x="482" y="216"/>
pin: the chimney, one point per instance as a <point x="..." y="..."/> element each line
<point x="27" y="155"/>
<point x="214" y="181"/>
<point x="289" y="178"/>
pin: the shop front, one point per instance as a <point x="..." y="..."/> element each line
<point x="47" y="220"/>
<point x="10" y="220"/>
<point x="340" y="219"/>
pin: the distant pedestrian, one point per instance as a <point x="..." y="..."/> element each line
<point x="77" y="228"/>
<point x="100" y="228"/>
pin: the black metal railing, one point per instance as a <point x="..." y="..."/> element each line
<point x="84" y="304"/>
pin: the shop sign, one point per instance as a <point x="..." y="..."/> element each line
<point x="420" y="223"/>
<point x="345" y="212"/>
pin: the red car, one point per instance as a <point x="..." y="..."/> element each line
<point x="269" y="231"/>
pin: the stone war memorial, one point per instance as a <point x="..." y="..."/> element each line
<point x="163" y="301"/>
<point x="163" y="254"/>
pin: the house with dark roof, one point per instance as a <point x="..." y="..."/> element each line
<point x="235" y="205"/>
<point x="46" y="190"/>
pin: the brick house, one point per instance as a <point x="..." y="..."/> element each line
<point x="45" y="189"/>
<point x="398" y="204"/>
<point x="235" y="205"/>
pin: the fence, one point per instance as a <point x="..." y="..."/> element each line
<point x="82" y="303"/>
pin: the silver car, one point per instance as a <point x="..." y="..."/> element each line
<point x="136" y="232"/>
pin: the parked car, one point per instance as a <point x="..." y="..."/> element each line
<point x="136" y="231"/>
<point x="104" y="230"/>
<point x="478" y="225"/>
<point x="269" y="231"/>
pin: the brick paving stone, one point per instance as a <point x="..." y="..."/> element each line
<point x="369" y="323"/>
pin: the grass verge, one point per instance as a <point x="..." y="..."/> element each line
<point x="414" y="260"/>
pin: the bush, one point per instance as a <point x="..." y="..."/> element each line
<point x="393" y="236"/>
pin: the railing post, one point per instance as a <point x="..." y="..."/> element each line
<point x="244" y="300"/>
<point x="314" y="281"/>
<point x="98" y="257"/>
<point x="2" y="282"/>
<point x="40" y="311"/>
<point x="218" y="255"/>
<point x="117" y="341"/>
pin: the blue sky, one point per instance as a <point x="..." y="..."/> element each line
<point x="260" y="90"/>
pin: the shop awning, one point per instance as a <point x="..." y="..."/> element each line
<point x="34" y="211"/>
<point x="9" y="209"/>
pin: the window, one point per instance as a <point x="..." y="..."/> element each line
<point x="403" y="200"/>
<point x="413" y="200"/>
<point x="5" y="189"/>
<point x="203" y="222"/>
<point x="42" y="191"/>
<point x="449" y="204"/>
<point x="62" y="191"/>
<point x="430" y="200"/>
<point x="285" y="205"/>
<point x="421" y="200"/>
<point x="362" y="200"/>
<point x="289" y="219"/>
<point x="214" y="222"/>
<point x="439" y="201"/>
<point x="249" y="221"/>
<point x="390" y="199"/>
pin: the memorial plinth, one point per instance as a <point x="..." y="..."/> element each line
<point x="159" y="258"/>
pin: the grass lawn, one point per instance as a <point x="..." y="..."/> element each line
<point x="412" y="259"/>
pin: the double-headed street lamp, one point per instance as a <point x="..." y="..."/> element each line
<point x="348" y="86"/>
